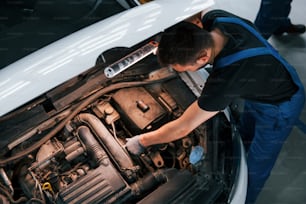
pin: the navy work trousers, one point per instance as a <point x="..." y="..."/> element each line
<point x="272" y="15"/>
<point x="265" y="127"/>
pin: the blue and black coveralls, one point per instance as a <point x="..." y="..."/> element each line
<point x="274" y="96"/>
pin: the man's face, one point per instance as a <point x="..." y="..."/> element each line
<point x="183" y="68"/>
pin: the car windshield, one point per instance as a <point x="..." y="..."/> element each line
<point x="28" y="25"/>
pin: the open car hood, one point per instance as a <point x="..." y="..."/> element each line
<point x="54" y="64"/>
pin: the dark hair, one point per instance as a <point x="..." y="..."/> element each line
<point x="183" y="44"/>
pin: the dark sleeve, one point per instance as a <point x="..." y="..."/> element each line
<point x="219" y="102"/>
<point x="218" y="91"/>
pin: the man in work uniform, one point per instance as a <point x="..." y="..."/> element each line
<point x="244" y="66"/>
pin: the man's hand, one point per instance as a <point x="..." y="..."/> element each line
<point x="133" y="145"/>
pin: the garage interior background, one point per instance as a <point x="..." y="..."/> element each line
<point x="287" y="182"/>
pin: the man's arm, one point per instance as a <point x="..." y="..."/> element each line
<point x="179" y="128"/>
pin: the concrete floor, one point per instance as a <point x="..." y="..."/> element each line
<point x="287" y="182"/>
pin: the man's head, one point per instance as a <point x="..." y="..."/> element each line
<point x="185" y="47"/>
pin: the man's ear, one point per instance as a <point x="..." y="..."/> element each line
<point x="203" y="59"/>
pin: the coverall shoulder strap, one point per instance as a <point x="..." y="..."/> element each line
<point x="239" y="21"/>
<point x="252" y="52"/>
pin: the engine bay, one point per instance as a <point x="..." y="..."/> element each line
<point x="79" y="156"/>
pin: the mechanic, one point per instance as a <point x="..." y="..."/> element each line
<point x="244" y="66"/>
<point x="272" y="18"/>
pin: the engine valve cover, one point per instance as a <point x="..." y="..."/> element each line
<point x="139" y="107"/>
<point x="96" y="187"/>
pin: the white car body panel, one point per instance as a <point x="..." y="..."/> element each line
<point x="56" y="63"/>
<point x="239" y="191"/>
<point x="239" y="194"/>
<point x="64" y="59"/>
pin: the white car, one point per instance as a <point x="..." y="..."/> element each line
<point x="69" y="104"/>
